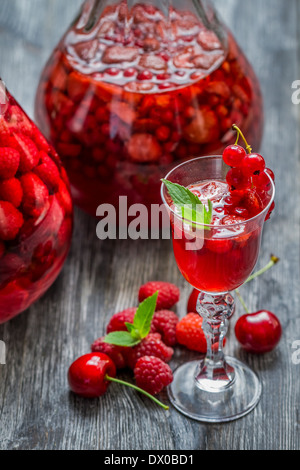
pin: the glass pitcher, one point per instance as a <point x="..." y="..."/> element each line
<point x="134" y="88"/>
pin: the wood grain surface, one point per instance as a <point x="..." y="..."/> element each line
<point x="99" y="278"/>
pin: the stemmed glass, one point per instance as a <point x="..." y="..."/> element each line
<point x="215" y="260"/>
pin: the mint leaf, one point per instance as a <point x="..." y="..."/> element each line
<point x="144" y="314"/>
<point x="121" y="338"/>
<point x="139" y="329"/>
<point x="189" y="204"/>
<point x="180" y="195"/>
<point x="133" y="331"/>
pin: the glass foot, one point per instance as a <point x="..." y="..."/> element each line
<point x="233" y="402"/>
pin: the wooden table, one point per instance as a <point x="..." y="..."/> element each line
<point x="100" y="278"/>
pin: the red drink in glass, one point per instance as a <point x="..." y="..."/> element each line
<point x="225" y="254"/>
<point x="216" y="258"/>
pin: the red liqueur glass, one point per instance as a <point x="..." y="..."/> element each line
<point x="36" y="211"/>
<point x="134" y="87"/>
<point x="215" y="259"/>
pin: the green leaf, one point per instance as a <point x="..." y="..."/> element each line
<point x="121" y="338"/>
<point x="144" y="314"/>
<point x="180" y="195"/>
<point x="189" y="204"/>
<point x="133" y="331"/>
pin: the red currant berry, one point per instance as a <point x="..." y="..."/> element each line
<point x="270" y="211"/>
<point x="258" y="332"/>
<point x="145" y="75"/>
<point x="130" y="72"/>
<point x="234" y="155"/>
<point x="236" y="179"/>
<point x="270" y="173"/>
<point x="253" y="164"/>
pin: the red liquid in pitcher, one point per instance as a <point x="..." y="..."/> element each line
<point x="121" y="107"/>
<point x="36" y="212"/>
<point x="224" y="256"/>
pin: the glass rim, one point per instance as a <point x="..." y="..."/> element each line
<point x="237" y="224"/>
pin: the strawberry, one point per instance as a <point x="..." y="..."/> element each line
<point x="9" y="162"/>
<point x="40" y="141"/>
<point x="144" y="148"/>
<point x="48" y="172"/>
<point x="189" y="333"/>
<point x="11" y="220"/>
<point x="35" y="195"/>
<point x="11" y="191"/>
<point x="64" y="197"/>
<point x="19" y="122"/>
<point x="168" y="294"/>
<point x="29" y="154"/>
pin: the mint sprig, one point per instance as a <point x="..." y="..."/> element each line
<point x="192" y="209"/>
<point x="139" y="329"/>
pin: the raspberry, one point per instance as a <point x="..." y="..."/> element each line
<point x="11" y="220"/>
<point x="152" y="345"/>
<point x="11" y="191"/>
<point x="189" y="333"/>
<point x="114" y="352"/>
<point x="35" y="195"/>
<point x="152" y="374"/>
<point x="9" y="162"/>
<point x="118" y="320"/>
<point x="48" y="172"/>
<point x="168" y="294"/>
<point x="164" y="322"/>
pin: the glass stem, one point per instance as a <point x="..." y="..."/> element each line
<point x="214" y="373"/>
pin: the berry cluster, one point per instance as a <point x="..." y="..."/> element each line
<point x="121" y="110"/>
<point x="36" y="212"/>
<point x="90" y="375"/>
<point x="248" y="178"/>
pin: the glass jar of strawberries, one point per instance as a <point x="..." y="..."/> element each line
<point x="134" y="88"/>
<point x="36" y="211"/>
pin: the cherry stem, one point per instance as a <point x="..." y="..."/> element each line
<point x="239" y="133"/>
<point x="127" y="384"/>
<point x="242" y="301"/>
<point x="274" y="260"/>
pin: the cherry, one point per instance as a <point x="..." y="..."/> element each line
<point x="87" y="375"/>
<point x="253" y="164"/>
<point x="237" y="179"/>
<point x="258" y="332"/>
<point x="234" y="155"/>
<point x="90" y="375"/>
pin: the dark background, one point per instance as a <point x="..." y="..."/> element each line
<point x="101" y="278"/>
